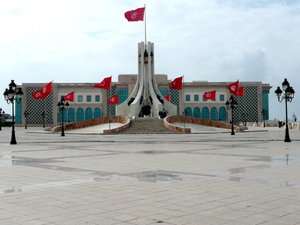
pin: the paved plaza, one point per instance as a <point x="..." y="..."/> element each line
<point x="209" y="178"/>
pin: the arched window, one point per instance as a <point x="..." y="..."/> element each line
<point x="197" y="112"/>
<point x="213" y="113"/>
<point x="79" y="115"/>
<point x="205" y="113"/>
<point x="88" y="114"/>
<point x="97" y="113"/>
<point x="222" y="114"/>
<point x="188" y="111"/>
<point x="71" y="115"/>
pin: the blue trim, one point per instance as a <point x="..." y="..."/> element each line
<point x="222" y="114"/>
<point x="197" y="112"/>
<point x="18" y="112"/>
<point x="88" y="114"/>
<point x="79" y="115"/>
<point x="97" y="113"/>
<point x="213" y="113"/>
<point x="188" y="111"/>
<point x="205" y="113"/>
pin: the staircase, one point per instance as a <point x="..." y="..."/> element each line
<point x="146" y="126"/>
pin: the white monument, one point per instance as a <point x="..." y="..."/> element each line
<point x="146" y="99"/>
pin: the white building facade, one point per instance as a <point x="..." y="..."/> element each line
<point x="92" y="103"/>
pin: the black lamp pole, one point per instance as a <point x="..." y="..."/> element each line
<point x="1" y="114"/>
<point x="11" y="95"/>
<point x="288" y="96"/>
<point x="231" y="104"/>
<point x="62" y="106"/>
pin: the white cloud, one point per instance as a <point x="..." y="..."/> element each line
<point x="214" y="40"/>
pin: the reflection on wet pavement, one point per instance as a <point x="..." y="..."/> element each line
<point x="147" y="176"/>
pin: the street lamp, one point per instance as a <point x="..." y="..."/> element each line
<point x="62" y="106"/>
<point x="287" y="96"/>
<point x="12" y="94"/>
<point x="231" y="104"/>
<point x="26" y="114"/>
<point x="1" y="114"/>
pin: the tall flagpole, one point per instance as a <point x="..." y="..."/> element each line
<point x="183" y="97"/>
<point x="145" y="27"/>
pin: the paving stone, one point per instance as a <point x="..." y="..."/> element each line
<point x="209" y="178"/>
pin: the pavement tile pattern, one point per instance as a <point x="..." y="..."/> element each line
<point x="210" y="178"/>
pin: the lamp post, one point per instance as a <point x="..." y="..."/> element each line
<point x="62" y="106"/>
<point x="264" y="112"/>
<point x="1" y="114"/>
<point x="11" y="95"/>
<point x="288" y="96"/>
<point x="26" y="113"/>
<point x="231" y="104"/>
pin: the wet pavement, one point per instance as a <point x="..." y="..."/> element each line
<point x="201" y="178"/>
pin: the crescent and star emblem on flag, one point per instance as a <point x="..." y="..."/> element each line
<point x="102" y="84"/>
<point x="208" y="95"/>
<point x="134" y="15"/>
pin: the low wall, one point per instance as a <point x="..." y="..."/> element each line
<point x="118" y="119"/>
<point x="112" y="119"/>
<point x="168" y="122"/>
<point x="173" y="119"/>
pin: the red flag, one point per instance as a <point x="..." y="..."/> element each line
<point x="38" y="94"/>
<point x="233" y="87"/>
<point x="240" y="92"/>
<point x="47" y="89"/>
<point x="42" y="93"/>
<point x="113" y="100"/>
<point x="135" y="15"/>
<point x="210" y="95"/>
<point x="69" y="97"/>
<point x="167" y="97"/>
<point x="105" y="83"/>
<point x="176" y="83"/>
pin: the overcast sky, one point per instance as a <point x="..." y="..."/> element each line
<point x="213" y="40"/>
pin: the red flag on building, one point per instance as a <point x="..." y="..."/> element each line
<point x="113" y="100"/>
<point x="167" y="97"/>
<point x="38" y="94"/>
<point x="176" y="83"/>
<point x="42" y="93"/>
<point x="47" y="89"/>
<point x="135" y="15"/>
<point x="233" y="87"/>
<point x="240" y="92"/>
<point x="69" y="97"/>
<point x="104" y="84"/>
<point x="210" y="95"/>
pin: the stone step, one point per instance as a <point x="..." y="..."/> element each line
<point x="146" y="126"/>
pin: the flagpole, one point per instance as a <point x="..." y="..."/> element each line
<point x="108" y="108"/>
<point x="184" y="112"/>
<point x="145" y="27"/>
